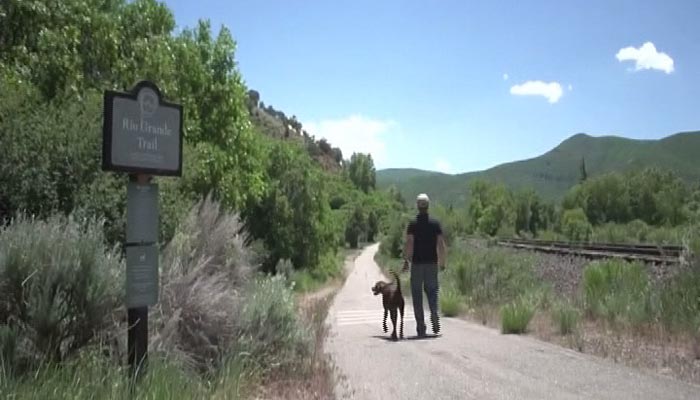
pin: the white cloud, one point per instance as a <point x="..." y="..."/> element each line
<point x="505" y="77"/>
<point x="442" y="165"/>
<point x="551" y="91"/>
<point x="646" y="57"/>
<point x="571" y="87"/>
<point x="353" y="134"/>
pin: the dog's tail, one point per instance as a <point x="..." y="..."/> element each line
<point x="397" y="280"/>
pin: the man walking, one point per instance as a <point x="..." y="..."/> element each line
<point x="425" y="249"/>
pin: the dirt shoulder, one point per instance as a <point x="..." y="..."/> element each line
<point x="674" y="356"/>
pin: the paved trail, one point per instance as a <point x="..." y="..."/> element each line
<point x="468" y="361"/>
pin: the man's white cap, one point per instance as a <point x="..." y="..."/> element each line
<point x="423" y="198"/>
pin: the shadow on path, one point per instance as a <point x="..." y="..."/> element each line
<point x="414" y="337"/>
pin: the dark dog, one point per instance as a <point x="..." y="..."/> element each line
<point x="393" y="301"/>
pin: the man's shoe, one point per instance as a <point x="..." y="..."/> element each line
<point x="421" y="332"/>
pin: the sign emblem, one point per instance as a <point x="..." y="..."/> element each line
<point x="148" y="101"/>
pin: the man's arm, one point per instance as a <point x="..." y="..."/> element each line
<point x="441" y="245"/>
<point x="408" y="246"/>
<point x="441" y="250"/>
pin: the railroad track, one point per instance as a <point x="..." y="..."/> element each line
<point x="663" y="254"/>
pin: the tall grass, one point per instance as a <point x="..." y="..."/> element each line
<point x="618" y="291"/>
<point x="637" y="231"/>
<point x="566" y="317"/>
<point x="679" y="302"/>
<point x="330" y="267"/>
<point x="450" y="302"/>
<point x="491" y="276"/>
<point x="270" y="330"/>
<point x="91" y="376"/>
<point x="516" y="315"/>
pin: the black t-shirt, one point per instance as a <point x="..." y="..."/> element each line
<point x="425" y="231"/>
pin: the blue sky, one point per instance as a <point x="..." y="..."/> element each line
<point x="464" y="85"/>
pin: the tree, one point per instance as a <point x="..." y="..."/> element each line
<point x="392" y="244"/>
<point x="362" y="171"/>
<point x="253" y="99"/>
<point x="338" y="155"/>
<point x="372" y="226"/>
<point x="293" y="216"/>
<point x="324" y="146"/>
<point x="523" y="200"/>
<point x="395" y="194"/>
<point x="491" y="208"/>
<point x="584" y="174"/>
<point x="355" y="227"/>
<point x="73" y="45"/>
<point x="575" y="225"/>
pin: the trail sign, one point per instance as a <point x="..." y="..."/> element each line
<point x="141" y="132"/>
<point x="142" y="219"/>
<point x="142" y="136"/>
<point x="141" y="276"/>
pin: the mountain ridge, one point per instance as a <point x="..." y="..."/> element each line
<point x="553" y="172"/>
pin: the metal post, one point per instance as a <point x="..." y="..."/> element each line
<point x="138" y="340"/>
<point x="137" y="335"/>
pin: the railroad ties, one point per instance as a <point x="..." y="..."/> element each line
<point x="632" y="252"/>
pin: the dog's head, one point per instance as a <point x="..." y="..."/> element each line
<point x="378" y="287"/>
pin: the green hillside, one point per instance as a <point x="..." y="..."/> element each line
<point x="554" y="172"/>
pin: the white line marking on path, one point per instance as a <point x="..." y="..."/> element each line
<point x="369" y="317"/>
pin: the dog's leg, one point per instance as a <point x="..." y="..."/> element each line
<point x="393" y="321"/>
<point x="401" y="314"/>
<point x="386" y="312"/>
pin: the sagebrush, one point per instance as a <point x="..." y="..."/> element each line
<point x="205" y="269"/>
<point x="61" y="289"/>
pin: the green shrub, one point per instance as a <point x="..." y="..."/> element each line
<point x="330" y="266"/>
<point x="550" y="235"/>
<point x="59" y="285"/>
<point x="516" y="315"/>
<point x="392" y="243"/>
<point x="460" y="275"/>
<point x="269" y="328"/>
<point x="566" y="317"/>
<point x="612" y="233"/>
<point x="450" y="302"/>
<point x="491" y="276"/>
<point x="303" y="281"/>
<point x="680" y="302"/>
<point x="617" y="290"/>
<point x="50" y="150"/>
<point x="639" y="230"/>
<point x="575" y="225"/>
